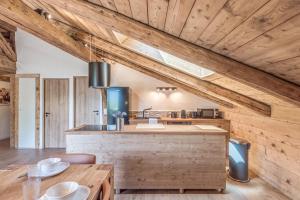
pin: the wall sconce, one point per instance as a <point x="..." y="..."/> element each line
<point x="166" y="89"/>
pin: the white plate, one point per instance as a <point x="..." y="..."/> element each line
<point x="57" y="169"/>
<point x="82" y="193"/>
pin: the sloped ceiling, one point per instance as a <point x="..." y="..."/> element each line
<point x="262" y="34"/>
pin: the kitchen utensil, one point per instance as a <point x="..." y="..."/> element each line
<point x="173" y="114"/>
<point x="183" y="114"/>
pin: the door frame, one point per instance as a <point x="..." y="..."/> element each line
<point x="43" y="114"/>
<point x="14" y="109"/>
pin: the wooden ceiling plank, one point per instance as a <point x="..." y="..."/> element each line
<point x="110" y="4"/>
<point x="203" y="12"/>
<point x="233" y="14"/>
<point x="97" y="2"/>
<point x="280" y="43"/>
<point x="178" y="12"/>
<point x="22" y="16"/>
<point x="269" y="16"/>
<point x="157" y="13"/>
<point x="182" y="49"/>
<point x="170" y="72"/>
<point x="7" y="49"/>
<point x="288" y="69"/>
<point x="123" y="7"/>
<point x="139" y="9"/>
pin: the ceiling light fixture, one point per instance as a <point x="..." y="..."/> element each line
<point x="166" y="89"/>
<point x="99" y="72"/>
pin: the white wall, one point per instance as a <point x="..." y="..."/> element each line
<point x="37" y="56"/>
<point x="4" y="115"/>
<point x="26" y="126"/>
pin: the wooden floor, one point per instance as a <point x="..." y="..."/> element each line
<point x="256" y="189"/>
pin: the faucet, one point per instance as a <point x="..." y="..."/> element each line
<point x="146" y="110"/>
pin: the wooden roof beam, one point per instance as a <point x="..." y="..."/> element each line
<point x="18" y="14"/>
<point x="7" y="49"/>
<point x="180" y="48"/>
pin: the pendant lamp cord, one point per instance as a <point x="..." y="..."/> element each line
<point x="90" y="48"/>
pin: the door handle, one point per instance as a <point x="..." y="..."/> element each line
<point x="47" y="114"/>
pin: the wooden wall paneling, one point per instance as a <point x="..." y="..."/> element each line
<point x="123" y="7"/>
<point x="233" y="14"/>
<point x="178" y="12"/>
<point x="139" y="9"/>
<point x="56" y="102"/>
<point x="192" y="53"/>
<point x="275" y="147"/>
<point x="278" y="44"/>
<point x="110" y="4"/>
<point x="268" y="17"/>
<point x="157" y="12"/>
<point x="202" y="13"/>
<point x="87" y="102"/>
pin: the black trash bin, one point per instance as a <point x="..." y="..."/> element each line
<point x="238" y="159"/>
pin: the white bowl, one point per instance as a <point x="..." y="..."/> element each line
<point x="62" y="191"/>
<point x="48" y="164"/>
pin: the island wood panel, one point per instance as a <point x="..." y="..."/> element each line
<point x="56" y="104"/>
<point x="87" y="102"/>
<point x="158" y="161"/>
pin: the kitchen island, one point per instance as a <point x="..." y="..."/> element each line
<point x="168" y="157"/>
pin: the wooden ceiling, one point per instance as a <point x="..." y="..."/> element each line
<point x="263" y="34"/>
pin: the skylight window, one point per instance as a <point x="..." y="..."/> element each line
<point x="164" y="57"/>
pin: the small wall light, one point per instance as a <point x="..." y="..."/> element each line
<point x="166" y="89"/>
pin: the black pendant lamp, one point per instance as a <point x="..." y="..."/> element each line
<point x="99" y="73"/>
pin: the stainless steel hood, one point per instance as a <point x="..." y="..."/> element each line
<point x="99" y="74"/>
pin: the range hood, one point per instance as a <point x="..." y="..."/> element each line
<point x="99" y="74"/>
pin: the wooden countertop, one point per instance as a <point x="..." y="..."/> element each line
<point x="169" y="129"/>
<point x="178" y="119"/>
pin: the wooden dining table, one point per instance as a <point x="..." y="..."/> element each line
<point x="93" y="176"/>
